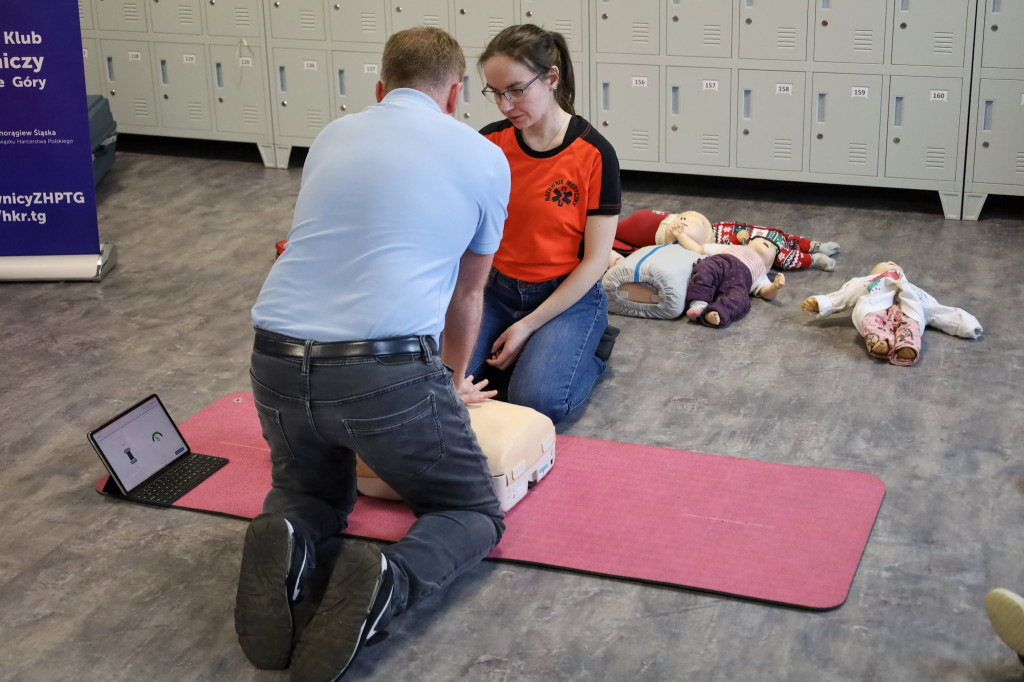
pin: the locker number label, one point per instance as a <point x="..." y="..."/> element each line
<point x="134" y="56"/>
<point x="309" y="65"/>
<point x="369" y="68"/>
<point x="858" y="92"/>
<point x="245" y="61"/>
<point x="710" y="86"/>
<point x="639" y="81"/>
<point x="783" y="88"/>
<point x="939" y="96"/>
<point x="188" y="59"/>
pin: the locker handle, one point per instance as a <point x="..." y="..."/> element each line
<point x="605" y="96"/>
<point x="218" y="74"/>
<point x="996" y="6"/>
<point x="465" y="89"/>
<point x="986" y="117"/>
<point x="826" y="4"/>
<point x="341" y="82"/>
<point x="110" y="68"/>
<point x="280" y="78"/>
<point x="746" y="104"/>
<point x="674" y="101"/>
<point x="820" y="116"/>
<point x="897" y="111"/>
<point x="163" y="71"/>
<point x="904" y="7"/>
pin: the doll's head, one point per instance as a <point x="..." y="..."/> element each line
<point x="766" y="249"/>
<point x="694" y="224"/>
<point x="886" y="267"/>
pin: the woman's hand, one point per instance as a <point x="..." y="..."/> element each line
<point x="509" y="345"/>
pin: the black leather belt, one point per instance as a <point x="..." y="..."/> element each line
<point x="402" y="345"/>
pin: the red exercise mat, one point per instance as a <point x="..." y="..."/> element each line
<point x="773" y="532"/>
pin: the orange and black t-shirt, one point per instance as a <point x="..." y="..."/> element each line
<point x="552" y="194"/>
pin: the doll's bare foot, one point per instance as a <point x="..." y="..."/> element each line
<point x="712" y="318"/>
<point x="880" y="348"/>
<point x="906" y="353"/>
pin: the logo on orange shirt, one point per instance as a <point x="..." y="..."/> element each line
<point x="563" y="193"/>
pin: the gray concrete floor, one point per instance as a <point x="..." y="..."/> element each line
<point x="94" y="589"/>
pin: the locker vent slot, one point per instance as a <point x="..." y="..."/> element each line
<point x="942" y="43"/>
<point x="935" y="157"/>
<point x="863" y="40"/>
<point x="141" y="107"/>
<point x="185" y="17"/>
<point x="641" y="140"/>
<point x="242" y="17"/>
<point x="307" y="20"/>
<point x="710" y="145"/>
<point x="194" y="111"/>
<point x="250" y="115"/>
<point x="786" y="38"/>
<point x="368" y="22"/>
<point x="131" y="13"/>
<point x="81" y="10"/>
<point x="432" y="20"/>
<point x="712" y="35"/>
<point x="564" y="26"/>
<point x="858" y="153"/>
<point x="494" y="26"/>
<point x="641" y="32"/>
<point x="1020" y="163"/>
<point x="782" y="149"/>
<point x="314" y="119"/>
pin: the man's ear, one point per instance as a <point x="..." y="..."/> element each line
<point x="452" y="99"/>
<point x="380" y="91"/>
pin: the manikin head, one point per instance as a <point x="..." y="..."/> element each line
<point x="885" y="267"/>
<point x="766" y="249"/>
<point x="694" y="224"/>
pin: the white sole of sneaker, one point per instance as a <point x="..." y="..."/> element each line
<point x="1006" y="612"/>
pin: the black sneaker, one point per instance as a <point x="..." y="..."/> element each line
<point x="355" y="606"/>
<point x="276" y="561"/>
<point x="607" y="342"/>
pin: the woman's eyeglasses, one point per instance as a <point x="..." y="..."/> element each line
<point x="512" y="95"/>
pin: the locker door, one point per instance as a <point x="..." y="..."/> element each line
<point x="182" y="88"/>
<point x="849" y="31"/>
<point x="303" y="98"/>
<point x="627" y="109"/>
<point x="699" y="28"/>
<point x="773" y="29"/>
<point x="771" y="116"/>
<point x="628" y="26"/>
<point x="354" y="81"/>
<point x="475" y="110"/>
<point x="91" y="57"/>
<point x="358" y="21"/>
<point x="999" y="148"/>
<point x="297" y="19"/>
<point x="697" y="115"/>
<point x="121" y="15"/>
<point x="127" y="75"/>
<point x="924" y="124"/>
<point x="411" y="13"/>
<point x="563" y="16"/>
<point x="1004" y="25"/>
<point x="929" y="32"/>
<point x="85" y="14"/>
<point x="239" y="18"/>
<point x="477" y="21"/>
<point x="239" y="90"/>
<point x="845" y="122"/>
<point x="177" y="16"/>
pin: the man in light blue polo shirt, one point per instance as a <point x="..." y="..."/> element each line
<point x="400" y="210"/>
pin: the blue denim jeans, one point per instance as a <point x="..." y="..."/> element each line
<point x="402" y="415"/>
<point x="557" y="368"/>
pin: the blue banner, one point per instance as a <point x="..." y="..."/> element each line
<point x="47" y="195"/>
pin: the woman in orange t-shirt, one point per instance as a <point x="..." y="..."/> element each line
<point x="545" y="317"/>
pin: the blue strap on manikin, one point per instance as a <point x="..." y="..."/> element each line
<point x="636" y="272"/>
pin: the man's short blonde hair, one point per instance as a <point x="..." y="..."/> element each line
<point x="422" y="58"/>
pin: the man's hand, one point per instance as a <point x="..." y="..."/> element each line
<point x="470" y="392"/>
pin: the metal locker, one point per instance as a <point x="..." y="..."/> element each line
<point x="91" y="57"/>
<point x="698" y="28"/>
<point x="183" y="90"/>
<point x="773" y="29"/>
<point x="297" y="19"/>
<point x="177" y="16"/>
<point x="923" y="128"/>
<point x="628" y="26"/>
<point x="303" y="98"/>
<point x="697" y="115"/>
<point x="475" y="109"/>
<point x="85" y="14"/>
<point x="358" y="21"/>
<point x="562" y="16"/>
<point x="126" y="68"/>
<point x="846" y="112"/>
<point x="929" y="32"/>
<point x="239" y="90"/>
<point x="627" y="109"/>
<point x="770" y="121"/>
<point x="999" y="137"/>
<point x="849" y="31"/>
<point x="411" y="13"/>
<point x="1004" y="35"/>
<point x="239" y="18"/>
<point x="477" y="21"/>
<point x="121" y="15"/>
<point x="354" y="78"/>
